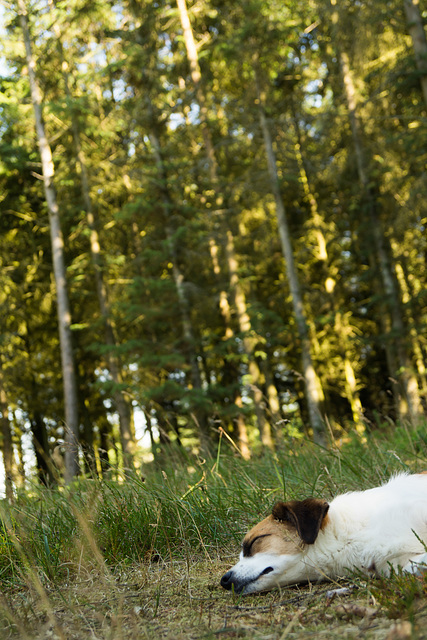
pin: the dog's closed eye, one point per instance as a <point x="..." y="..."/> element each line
<point x="247" y="545"/>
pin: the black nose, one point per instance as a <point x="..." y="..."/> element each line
<point x="227" y="580"/>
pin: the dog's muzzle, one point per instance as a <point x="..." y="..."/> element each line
<point x="227" y="580"/>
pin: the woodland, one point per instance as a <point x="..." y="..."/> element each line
<point x="212" y="214"/>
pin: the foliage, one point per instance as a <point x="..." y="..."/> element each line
<point x="185" y="512"/>
<point x="184" y="505"/>
<point x="175" y="168"/>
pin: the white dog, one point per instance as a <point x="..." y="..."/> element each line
<point x="371" y="531"/>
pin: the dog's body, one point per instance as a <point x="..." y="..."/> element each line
<point x="370" y="531"/>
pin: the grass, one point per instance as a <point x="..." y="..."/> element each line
<point x="143" y="558"/>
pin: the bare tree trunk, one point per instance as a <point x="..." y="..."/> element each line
<point x="410" y="408"/>
<point x="196" y="77"/>
<point x="121" y="402"/>
<point x="235" y="286"/>
<point x="419" y="40"/>
<point x="273" y="401"/>
<point x="415" y="338"/>
<point x="7" y="448"/>
<point x="250" y="341"/>
<point x="226" y="315"/>
<point x="63" y="306"/>
<point x="313" y="388"/>
<point x="340" y="328"/>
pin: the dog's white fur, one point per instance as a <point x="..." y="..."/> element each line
<point x="371" y="531"/>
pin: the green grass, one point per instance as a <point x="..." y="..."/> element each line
<point x="80" y="557"/>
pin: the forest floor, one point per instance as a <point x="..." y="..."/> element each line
<point x="176" y="600"/>
<point x="143" y="558"/>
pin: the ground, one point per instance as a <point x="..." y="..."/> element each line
<point x="183" y="600"/>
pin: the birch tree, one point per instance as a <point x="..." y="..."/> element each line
<point x="122" y="403"/>
<point x="419" y="40"/>
<point x="63" y="306"/>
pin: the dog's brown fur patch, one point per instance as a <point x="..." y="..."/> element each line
<point x="272" y="536"/>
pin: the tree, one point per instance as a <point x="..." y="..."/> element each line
<point x="419" y="40"/>
<point x="314" y="391"/>
<point x="401" y="367"/>
<point x="64" y="316"/>
<point x="122" y="403"/>
<point x="249" y="339"/>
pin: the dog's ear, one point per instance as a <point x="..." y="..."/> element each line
<point x="305" y="515"/>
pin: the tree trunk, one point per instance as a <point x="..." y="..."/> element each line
<point x="235" y="287"/>
<point x="415" y="338"/>
<point x="273" y="401"/>
<point x="313" y="388"/>
<point x="113" y="363"/>
<point x="410" y="404"/>
<point x="341" y="329"/>
<point x="7" y="446"/>
<point x="419" y="40"/>
<point x="63" y="306"/>
<point x="250" y="341"/>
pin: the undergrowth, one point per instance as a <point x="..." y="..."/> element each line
<point x="188" y="509"/>
<point x="187" y="505"/>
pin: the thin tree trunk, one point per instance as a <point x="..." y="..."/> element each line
<point x="20" y="466"/>
<point x="113" y="363"/>
<point x="410" y="408"/>
<point x="340" y="328"/>
<point x="235" y="286"/>
<point x="196" y="77"/>
<point x="249" y="343"/>
<point x="63" y="306"/>
<point x="7" y="448"/>
<point x="313" y="388"/>
<point x="242" y="433"/>
<point x="415" y="339"/>
<point x="419" y="40"/>
<point x="273" y="401"/>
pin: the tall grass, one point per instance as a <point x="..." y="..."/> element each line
<point x="184" y="507"/>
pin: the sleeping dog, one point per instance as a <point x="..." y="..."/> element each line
<point x="371" y="531"/>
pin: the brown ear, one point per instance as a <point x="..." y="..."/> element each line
<point x="306" y="516"/>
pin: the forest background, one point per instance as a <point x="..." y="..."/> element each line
<point x="212" y="213"/>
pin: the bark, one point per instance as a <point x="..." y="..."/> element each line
<point x="114" y="366"/>
<point x="41" y="449"/>
<point x="7" y="446"/>
<point x="313" y="388"/>
<point x="410" y="404"/>
<point x="419" y="40"/>
<point x="57" y="241"/>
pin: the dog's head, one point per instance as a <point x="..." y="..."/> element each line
<point x="272" y="551"/>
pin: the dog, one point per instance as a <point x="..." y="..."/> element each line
<point x="373" y="531"/>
